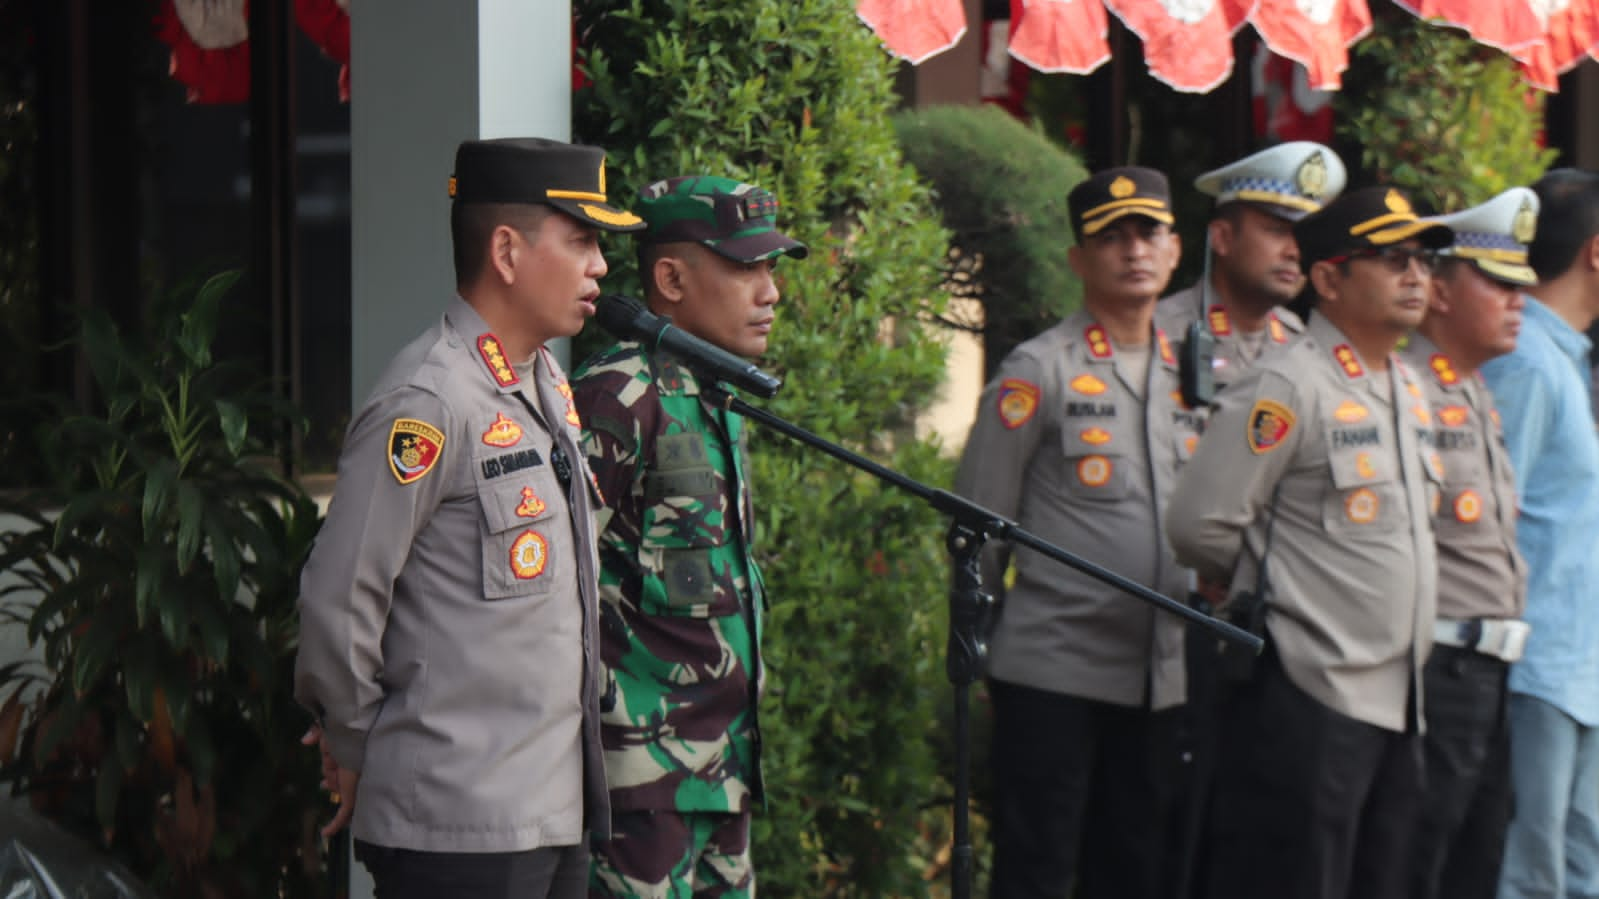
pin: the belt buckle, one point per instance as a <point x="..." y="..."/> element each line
<point x="1504" y="639"/>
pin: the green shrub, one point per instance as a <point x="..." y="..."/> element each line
<point x="1445" y="118"/>
<point x="1002" y="188"/>
<point x="795" y="96"/>
<point x="157" y="575"/>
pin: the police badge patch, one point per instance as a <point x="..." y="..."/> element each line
<point x="1269" y="424"/>
<point x="1018" y="401"/>
<point x="414" y="448"/>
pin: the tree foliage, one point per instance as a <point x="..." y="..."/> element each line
<point x="795" y="96"/>
<point x="1002" y="188"/>
<point x="1447" y="119"/>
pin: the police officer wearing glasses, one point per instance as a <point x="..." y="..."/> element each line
<point x="1312" y="493"/>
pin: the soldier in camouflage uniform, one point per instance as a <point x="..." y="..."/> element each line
<point x="681" y="597"/>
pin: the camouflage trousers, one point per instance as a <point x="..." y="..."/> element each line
<point x="674" y="855"/>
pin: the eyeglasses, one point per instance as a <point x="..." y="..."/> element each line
<point x="1395" y="259"/>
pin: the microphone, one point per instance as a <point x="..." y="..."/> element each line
<point x="627" y="318"/>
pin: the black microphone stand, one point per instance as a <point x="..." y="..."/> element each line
<point x="968" y="605"/>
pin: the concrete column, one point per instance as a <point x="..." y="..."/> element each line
<point x="424" y="76"/>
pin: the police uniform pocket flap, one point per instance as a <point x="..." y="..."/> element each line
<point x="520" y="499"/>
<point x="1358" y="456"/>
<point x="1099" y="476"/>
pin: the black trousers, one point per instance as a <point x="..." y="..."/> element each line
<point x="1309" y="803"/>
<point x="1081" y="791"/>
<point x="1460" y="841"/>
<point x="1194" y="758"/>
<point x="555" y="872"/>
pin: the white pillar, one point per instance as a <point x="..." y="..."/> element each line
<point x="424" y="76"/>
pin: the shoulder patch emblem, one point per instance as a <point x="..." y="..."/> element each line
<point x="1098" y="343"/>
<point x="1348" y="360"/>
<point x="529" y="555"/>
<point x="504" y="432"/>
<point x="1468" y="507"/>
<point x="1220" y="325"/>
<point x="1350" y="412"/>
<point x="1443" y="369"/>
<point x="1096" y="436"/>
<point x="1087" y="385"/>
<point x="1094" y="471"/>
<point x="488" y="346"/>
<point x="414" y="448"/>
<point x="1362" y="506"/>
<point x="531" y="506"/>
<point x="1018" y="402"/>
<point x="1270" y="423"/>
<point x="1454" y="416"/>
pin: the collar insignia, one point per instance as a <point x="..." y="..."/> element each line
<point x="1098" y="343"/>
<point x="1347" y="360"/>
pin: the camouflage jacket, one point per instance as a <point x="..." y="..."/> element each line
<point x="680" y="596"/>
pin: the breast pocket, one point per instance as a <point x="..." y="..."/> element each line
<point x="527" y="534"/>
<point x="1096" y="462"/>
<point x="1366" y="497"/>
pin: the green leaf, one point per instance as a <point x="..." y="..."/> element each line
<point x="160" y="481"/>
<point x="234" y="425"/>
<point x="202" y="752"/>
<point x="191" y="523"/>
<point x="93" y="652"/>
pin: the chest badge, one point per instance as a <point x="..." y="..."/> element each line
<point x="1350" y="412"/>
<point x="1094" y="471"/>
<point x="529" y="555"/>
<point x="1018" y="402"/>
<point x="531" y="506"/>
<point x="1362" y="506"/>
<point x="1363" y="466"/>
<point x="1096" y="436"/>
<point x="414" y="448"/>
<point x="1468" y="507"/>
<point x="1453" y="416"/>
<point x="1087" y="385"/>
<point x="504" y="432"/>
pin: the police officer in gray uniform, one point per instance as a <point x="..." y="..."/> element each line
<point x="448" y="611"/>
<point x="1252" y="264"/>
<point x="1251" y="270"/>
<point x="1079" y="437"/>
<point x="1474" y="315"/>
<point x="1312" y="460"/>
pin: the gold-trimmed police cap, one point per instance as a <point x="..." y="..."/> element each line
<point x="570" y="177"/>
<point x="1495" y="235"/>
<point x="1365" y="218"/>
<point x="1289" y="180"/>
<point x="1108" y="195"/>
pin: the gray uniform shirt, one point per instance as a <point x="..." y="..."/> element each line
<point x="1063" y="446"/>
<point x="1480" y="571"/>
<point x="1353" y="568"/>
<point x="448" y="609"/>
<point x="1174" y="313"/>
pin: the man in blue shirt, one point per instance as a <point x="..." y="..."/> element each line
<point x="1541" y="390"/>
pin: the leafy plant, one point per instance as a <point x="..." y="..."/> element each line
<point x="1002" y="188"/>
<point x="157" y="575"/>
<point x="1445" y="118"/>
<point x="795" y="96"/>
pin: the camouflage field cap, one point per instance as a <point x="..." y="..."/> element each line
<point x="735" y="220"/>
